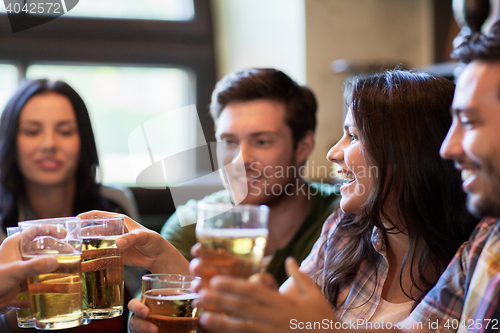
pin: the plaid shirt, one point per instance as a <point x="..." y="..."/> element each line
<point x="466" y="297"/>
<point x="360" y="300"/>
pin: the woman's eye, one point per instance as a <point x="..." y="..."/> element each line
<point x="67" y="132"/>
<point x="30" y="132"/>
<point x="353" y="137"/>
<point x="465" y="121"/>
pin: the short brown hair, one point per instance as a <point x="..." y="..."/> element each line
<point x="272" y="84"/>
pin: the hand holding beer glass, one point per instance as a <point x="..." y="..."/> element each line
<point x="232" y="238"/>
<point x="24" y="317"/>
<point x="56" y="298"/>
<point x="102" y="267"/>
<point x="169" y="298"/>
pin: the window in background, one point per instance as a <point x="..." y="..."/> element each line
<point x="130" y="61"/>
<point x="119" y="99"/>
<point x="8" y="84"/>
<point x="164" y="10"/>
<point x="170" y="10"/>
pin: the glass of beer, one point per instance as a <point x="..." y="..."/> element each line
<point x="24" y="317"/>
<point x="56" y="298"/>
<point x="169" y="298"/>
<point x="102" y="267"/>
<point x="233" y="239"/>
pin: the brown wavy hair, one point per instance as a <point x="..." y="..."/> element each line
<point x="402" y="118"/>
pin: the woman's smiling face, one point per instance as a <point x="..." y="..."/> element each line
<point x="349" y="155"/>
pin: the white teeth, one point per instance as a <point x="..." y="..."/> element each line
<point x="346" y="175"/>
<point x="466" y="174"/>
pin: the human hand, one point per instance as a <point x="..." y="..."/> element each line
<point x="146" y="248"/>
<point x="138" y="322"/>
<point x="249" y="306"/>
<point x="198" y="268"/>
<point x="14" y="271"/>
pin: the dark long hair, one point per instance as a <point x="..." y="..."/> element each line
<point x="11" y="178"/>
<point x="402" y="118"/>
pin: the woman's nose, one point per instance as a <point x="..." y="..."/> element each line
<point x="336" y="153"/>
<point x="49" y="141"/>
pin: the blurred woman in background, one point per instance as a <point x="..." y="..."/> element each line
<point x="49" y="165"/>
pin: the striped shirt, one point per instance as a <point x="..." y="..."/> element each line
<point x="361" y="299"/>
<point x="467" y="296"/>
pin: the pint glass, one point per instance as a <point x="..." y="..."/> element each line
<point x="102" y="267"/>
<point x="169" y="298"/>
<point x="232" y="238"/>
<point x="56" y="298"/>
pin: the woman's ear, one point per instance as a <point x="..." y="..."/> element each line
<point x="304" y="148"/>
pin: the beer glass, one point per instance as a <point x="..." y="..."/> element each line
<point x="102" y="267"/>
<point x="169" y="298"/>
<point x="24" y="317"/>
<point x="56" y="298"/>
<point x="232" y="238"/>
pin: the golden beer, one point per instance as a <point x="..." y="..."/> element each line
<point x="24" y="316"/>
<point x="56" y="298"/>
<point x="102" y="275"/>
<point x="234" y="252"/>
<point x="171" y="310"/>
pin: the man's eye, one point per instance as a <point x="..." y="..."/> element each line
<point x="229" y="141"/>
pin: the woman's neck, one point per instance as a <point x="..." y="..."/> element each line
<point x="51" y="201"/>
<point x="397" y="243"/>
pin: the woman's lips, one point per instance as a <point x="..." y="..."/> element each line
<point x="48" y="164"/>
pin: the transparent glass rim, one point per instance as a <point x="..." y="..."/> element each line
<point x="176" y="277"/>
<point x="107" y="218"/>
<point x="229" y="206"/>
<point x="54" y="220"/>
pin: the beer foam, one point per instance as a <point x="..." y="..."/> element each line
<point x="178" y="297"/>
<point x="232" y="233"/>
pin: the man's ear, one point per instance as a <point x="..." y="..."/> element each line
<point x="304" y="148"/>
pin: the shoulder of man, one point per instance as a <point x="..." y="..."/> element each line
<point x="484" y="229"/>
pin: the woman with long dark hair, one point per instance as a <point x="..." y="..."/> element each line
<point x="47" y="166"/>
<point x="402" y="217"/>
<point x="48" y="162"/>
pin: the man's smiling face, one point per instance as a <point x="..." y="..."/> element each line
<point x="473" y="140"/>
